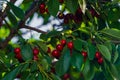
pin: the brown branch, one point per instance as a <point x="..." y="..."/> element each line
<point x="34" y="29"/>
<point x="13" y="32"/>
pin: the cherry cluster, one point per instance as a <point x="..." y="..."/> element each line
<point x="35" y="53"/>
<point x="42" y="8"/>
<point x="77" y="17"/>
<point x="56" y="52"/>
<point x="18" y="55"/>
<point x="99" y="57"/>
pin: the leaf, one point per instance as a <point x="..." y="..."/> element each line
<point x="116" y="56"/>
<point x="71" y="5"/>
<point x="26" y="52"/>
<point x="33" y="67"/>
<point x="12" y="18"/>
<point x="112" y="33"/>
<point x="16" y="10"/>
<point x="63" y="64"/>
<point x="114" y="72"/>
<point x="25" y="67"/>
<point x="11" y="75"/>
<point x="104" y="51"/>
<point x="78" y="44"/>
<point x="39" y="76"/>
<point x="77" y="60"/>
<point x="88" y="70"/>
<point x="82" y="4"/>
<point x="53" y="7"/>
<point x="43" y="46"/>
<point x="53" y="33"/>
<point x="91" y="51"/>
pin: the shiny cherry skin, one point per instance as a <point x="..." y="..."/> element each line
<point x="17" y="50"/>
<point x="70" y="45"/>
<point x="97" y="55"/>
<point x="59" y="47"/>
<point x="35" y="51"/>
<point x="84" y="53"/>
<point x="63" y="42"/>
<point x="56" y="54"/>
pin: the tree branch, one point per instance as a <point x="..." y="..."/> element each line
<point x="13" y="32"/>
<point x="35" y="29"/>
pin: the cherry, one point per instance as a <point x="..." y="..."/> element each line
<point x="84" y="53"/>
<point x="49" y="50"/>
<point x="66" y="76"/>
<point x="61" y="1"/>
<point x="35" y="51"/>
<point x="18" y="56"/>
<point x="66" y="20"/>
<point x="63" y="42"/>
<point x="56" y="54"/>
<point x="46" y="10"/>
<point x="35" y="57"/>
<point x="100" y="60"/>
<point x="17" y="50"/>
<point x="97" y="55"/>
<point x="70" y="45"/>
<point x="42" y="6"/>
<point x="60" y="15"/>
<point x="59" y="47"/>
<point x="42" y="11"/>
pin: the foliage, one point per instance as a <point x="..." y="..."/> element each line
<point x="87" y="47"/>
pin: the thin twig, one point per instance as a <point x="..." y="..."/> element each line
<point x="35" y="29"/>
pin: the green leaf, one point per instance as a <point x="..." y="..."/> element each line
<point x="88" y="70"/>
<point x="25" y="67"/>
<point x="63" y="64"/>
<point x="116" y="56"/>
<point x="12" y="18"/>
<point x="40" y="76"/>
<point x="82" y="4"/>
<point x="77" y="60"/>
<point x="26" y="52"/>
<point x="71" y="5"/>
<point x="104" y="51"/>
<point x="112" y="33"/>
<point x="91" y="51"/>
<point x="33" y="67"/>
<point x="53" y="33"/>
<point x="17" y="11"/>
<point x="11" y="75"/>
<point x="53" y="7"/>
<point x="43" y="46"/>
<point x="114" y="72"/>
<point x="78" y="44"/>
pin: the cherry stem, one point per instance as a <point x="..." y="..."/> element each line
<point x="70" y="52"/>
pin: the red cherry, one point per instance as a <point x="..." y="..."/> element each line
<point x="42" y="6"/>
<point x="35" y="51"/>
<point x="46" y="10"/>
<point x="97" y="55"/>
<point x="35" y="57"/>
<point x="66" y="20"/>
<point x="59" y="47"/>
<point x="49" y="50"/>
<point x="42" y="11"/>
<point x="66" y="76"/>
<point x="70" y="45"/>
<point x="63" y="42"/>
<point x="60" y="15"/>
<point x="18" y="56"/>
<point x="61" y="1"/>
<point x="84" y="53"/>
<point x="100" y="60"/>
<point x="17" y="50"/>
<point x="56" y="54"/>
